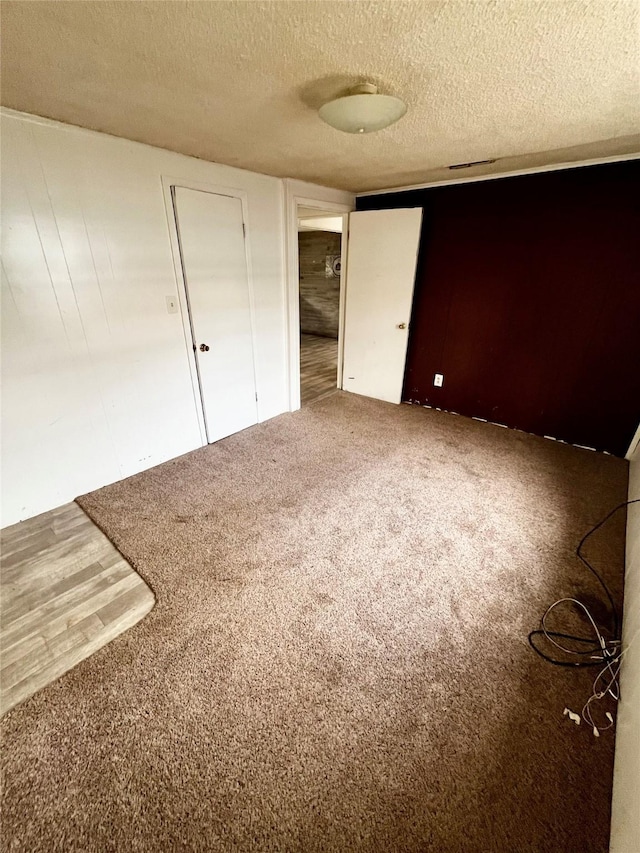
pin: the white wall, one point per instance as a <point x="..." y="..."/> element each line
<point x="625" y="818"/>
<point x="321" y="223"/>
<point x="96" y="380"/>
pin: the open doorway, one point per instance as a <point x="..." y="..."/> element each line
<point x="320" y="280"/>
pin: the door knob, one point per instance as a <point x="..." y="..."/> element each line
<point x="402" y="326"/>
<point x="204" y="348"/>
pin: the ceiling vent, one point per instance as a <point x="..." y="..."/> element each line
<point x="469" y="165"/>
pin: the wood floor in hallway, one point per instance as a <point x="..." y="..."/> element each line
<point x="318" y="367"/>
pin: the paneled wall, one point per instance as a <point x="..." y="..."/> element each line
<point x="527" y="301"/>
<point x="96" y="382"/>
<point x="319" y="287"/>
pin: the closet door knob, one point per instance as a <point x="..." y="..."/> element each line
<point x="402" y="326"/>
<point x="204" y="348"/>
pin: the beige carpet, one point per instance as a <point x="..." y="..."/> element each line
<point x="337" y="659"/>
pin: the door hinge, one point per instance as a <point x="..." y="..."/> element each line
<point x="256" y="396"/>
<point x="244" y="231"/>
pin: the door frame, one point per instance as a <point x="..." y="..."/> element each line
<point x="168" y="182"/>
<point x="299" y="194"/>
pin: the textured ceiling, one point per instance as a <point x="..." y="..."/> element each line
<point x="531" y="81"/>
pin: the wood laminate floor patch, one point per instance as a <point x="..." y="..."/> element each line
<point x="66" y="592"/>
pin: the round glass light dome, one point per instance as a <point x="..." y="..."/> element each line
<point x="363" y="110"/>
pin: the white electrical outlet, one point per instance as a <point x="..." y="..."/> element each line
<point x="438" y="379"/>
<point x="172" y="304"/>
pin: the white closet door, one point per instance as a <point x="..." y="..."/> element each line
<point x="381" y="270"/>
<point x="211" y="234"/>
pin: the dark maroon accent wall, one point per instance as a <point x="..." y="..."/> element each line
<point x="527" y="299"/>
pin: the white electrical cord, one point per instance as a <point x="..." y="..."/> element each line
<point x="606" y="651"/>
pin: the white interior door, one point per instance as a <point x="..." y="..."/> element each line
<point x="381" y="269"/>
<point x="211" y="236"/>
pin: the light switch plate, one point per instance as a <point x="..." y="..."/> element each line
<point x="172" y="304"/>
<point x="438" y="379"/>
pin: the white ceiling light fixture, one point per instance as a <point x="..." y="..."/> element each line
<point x="363" y="110"/>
